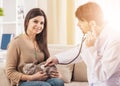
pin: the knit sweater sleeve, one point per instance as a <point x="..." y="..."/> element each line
<point x="12" y="61"/>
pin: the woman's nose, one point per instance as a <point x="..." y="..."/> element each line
<point x="39" y="25"/>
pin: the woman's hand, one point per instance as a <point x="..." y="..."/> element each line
<point x="41" y="76"/>
<point x="55" y="75"/>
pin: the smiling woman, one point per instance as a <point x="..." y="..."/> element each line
<point x="30" y="47"/>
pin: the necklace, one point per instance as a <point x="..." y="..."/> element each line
<point x="35" y="51"/>
<point x="35" y="48"/>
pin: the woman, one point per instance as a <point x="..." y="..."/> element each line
<point x="100" y="50"/>
<point x="30" y="47"/>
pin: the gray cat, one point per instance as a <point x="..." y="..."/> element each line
<point x="32" y="68"/>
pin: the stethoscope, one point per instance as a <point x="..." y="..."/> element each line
<point x="83" y="38"/>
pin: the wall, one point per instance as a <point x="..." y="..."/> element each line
<point x="60" y="14"/>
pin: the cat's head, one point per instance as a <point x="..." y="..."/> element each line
<point x="29" y="68"/>
<point x="49" y="69"/>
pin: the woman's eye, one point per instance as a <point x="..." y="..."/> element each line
<point x="41" y="23"/>
<point x="35" y="21"/>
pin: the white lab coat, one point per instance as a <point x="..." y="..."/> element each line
<point x="102" y="60"/>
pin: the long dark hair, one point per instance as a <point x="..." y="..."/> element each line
<point x="41" y="38"/>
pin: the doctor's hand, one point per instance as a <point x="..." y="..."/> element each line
<point x="51" y="61"/>
<point x="91" y="37"/>
<point x="90" y="40"/>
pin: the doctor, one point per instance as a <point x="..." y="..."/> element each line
<point x="100" y="50"/>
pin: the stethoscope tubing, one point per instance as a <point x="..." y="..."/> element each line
<point x="83" y="38"/>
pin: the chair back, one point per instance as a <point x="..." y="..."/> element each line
<point x="6" y="38"/>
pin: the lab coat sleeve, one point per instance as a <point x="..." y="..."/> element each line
<point x="108" y="64"/>
<point x="69" y="55"/>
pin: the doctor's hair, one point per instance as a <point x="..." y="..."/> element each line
<point x="90" y="11"/>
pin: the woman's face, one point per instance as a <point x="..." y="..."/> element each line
<point x="36" y="25"/>
<point x="84" y="26"/>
